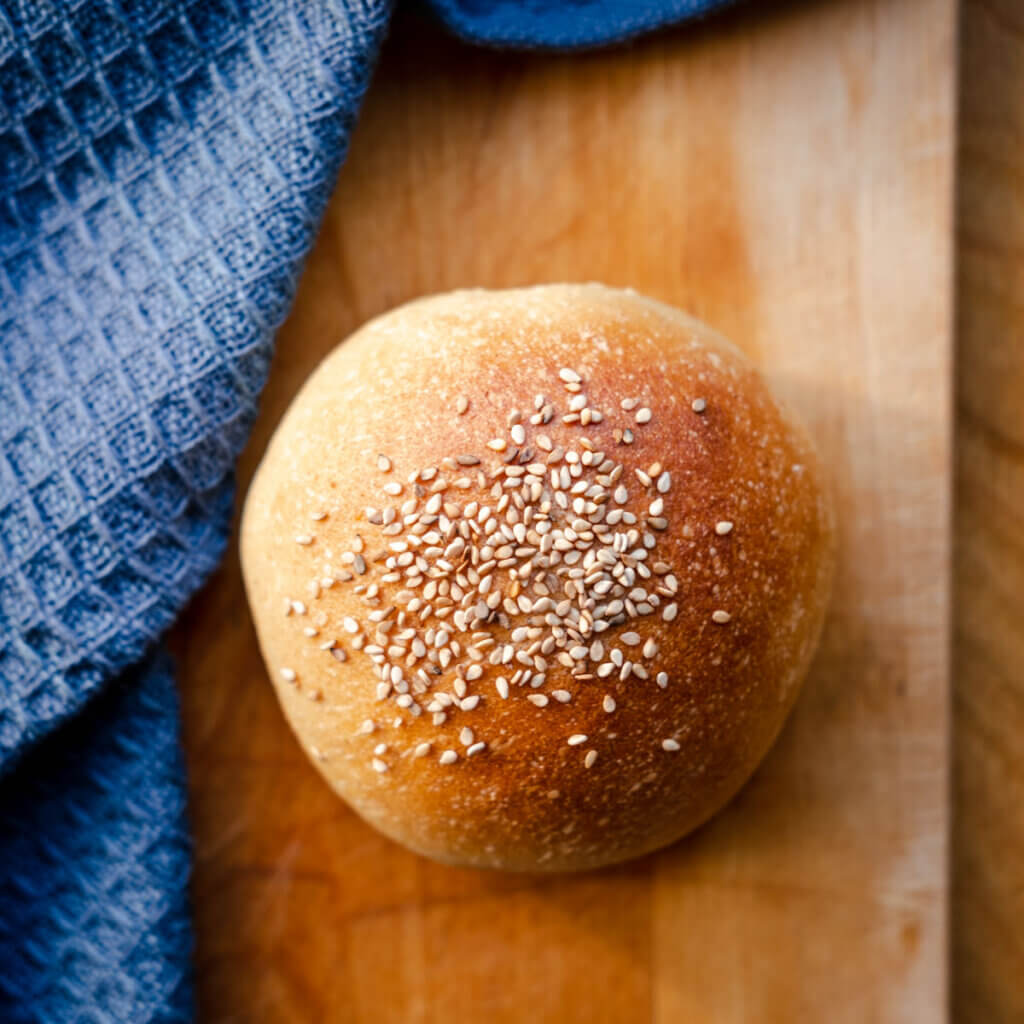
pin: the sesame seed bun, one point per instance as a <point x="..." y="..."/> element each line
<point x="537" y="574"/>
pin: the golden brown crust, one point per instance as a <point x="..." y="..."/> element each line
<point x="528" y="800"/>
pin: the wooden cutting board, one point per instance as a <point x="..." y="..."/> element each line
<point x="786" y="175"/>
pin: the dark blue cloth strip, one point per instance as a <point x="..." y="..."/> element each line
<point x="95" y="851"/>
<point x="164" y="165"/>
<point x="570" y="25"/>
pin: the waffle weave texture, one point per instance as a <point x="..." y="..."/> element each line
<point x="164" y="165"/>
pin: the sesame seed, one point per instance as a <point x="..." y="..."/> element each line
<point x="720" y="616"/>
<point x="349" y="624"/>
<point x="379" y="765"/>
<point x="643" y="415"/>
<point x="670" y="612"/>
<point x="723" y="527"/>
<point x="669" y="745"/>
<point x="576" y="739"/>
<point x="698" y="405"/>
<point x="517" y="433"/>
<point x="448" y="757"/>
<point x="608" y="703"/>
<point x="569" y="376"/>
<point x="476" y="748"/>
<point x="664" y="482"/>
<point x="383" y="463"/>
<point x="422" y="750"/>
<point x="304" y="540"/>
<point x="630" y="639"/>
<point x="461" y="404"/>
<point x="662" y="679"/>
<point x="288" y="674"/>
<point x="538" y="699"/>
<point x="318" y="516"/>
<point x="629" y="404"/>
<point x="466" y="736"/>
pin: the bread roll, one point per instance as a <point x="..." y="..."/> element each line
<point x="537" y="574"/>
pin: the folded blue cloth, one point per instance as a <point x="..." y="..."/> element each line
<point x="164" y="165"/>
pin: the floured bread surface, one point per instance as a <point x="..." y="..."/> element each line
<point x="537" y="573"/>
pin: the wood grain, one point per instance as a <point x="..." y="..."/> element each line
<point x="787" y="176"/>
<point x="988" y="877"/>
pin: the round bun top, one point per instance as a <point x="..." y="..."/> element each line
<point x="537" y="573"/>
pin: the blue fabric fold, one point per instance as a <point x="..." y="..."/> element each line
<point x="569" y="25"/>
<point x="93" y="908"/>
<point x="164" y="165"/>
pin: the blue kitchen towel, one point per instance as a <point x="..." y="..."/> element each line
<point x="164" y="165"/>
